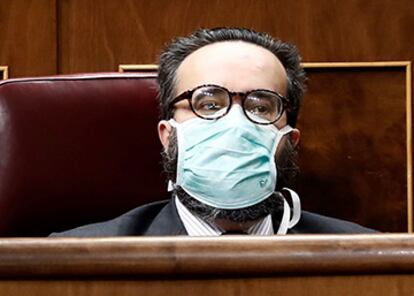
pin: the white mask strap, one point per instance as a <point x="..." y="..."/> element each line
<point x="172" y="122"/>
<point x="284" y="223"/>
<point x="171" y="186"/>
<point x="286" y="129"/>
<point x="287" y="223"/>
<point x="296" y="207"/>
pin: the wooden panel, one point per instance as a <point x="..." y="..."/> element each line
<point x="28" y="37"/>
<point x="353" y="154"/>
<point x="379" y="285"/>
<point x="98" y="35"/>
<point x="354" y="30"/>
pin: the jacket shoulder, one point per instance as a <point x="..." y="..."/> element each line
<point x="134" y="222"/>
<point x="315" y="223"/>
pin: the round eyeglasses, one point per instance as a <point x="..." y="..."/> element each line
<point x="211" y="102"/>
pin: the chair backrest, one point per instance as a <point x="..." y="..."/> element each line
<point x="76" y="149"/>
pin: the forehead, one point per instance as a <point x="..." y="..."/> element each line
<point x="236" y="65"/>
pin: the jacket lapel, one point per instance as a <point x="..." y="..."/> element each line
<point x="167" y="222"/>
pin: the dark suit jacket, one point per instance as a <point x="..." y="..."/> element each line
<point x="161" y="219"/>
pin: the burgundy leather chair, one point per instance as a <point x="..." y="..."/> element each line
<point x="76" y="149"/>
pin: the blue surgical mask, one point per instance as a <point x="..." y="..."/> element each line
<point x="227" y="163"/>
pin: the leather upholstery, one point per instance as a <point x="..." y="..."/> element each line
<point x="76" y="149"/>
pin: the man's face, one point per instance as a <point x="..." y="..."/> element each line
<point x="235" y="65"/>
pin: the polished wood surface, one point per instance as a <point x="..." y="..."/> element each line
<point x="223" y="256"/>
<point x="235" y="265"/>
<point x="28" y="37"/>
<point x="354" y="145"/>
<point x="98" y="35"/>
<point x="367" y="285"/>
<point x="69" y="36"/>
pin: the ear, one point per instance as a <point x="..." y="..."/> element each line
<point x="295" y="137"/>
<point x="164" y="130"/>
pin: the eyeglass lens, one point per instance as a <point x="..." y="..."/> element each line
<point x="212" y="102"/>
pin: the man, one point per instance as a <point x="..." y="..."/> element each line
<point x="229" y="100"/>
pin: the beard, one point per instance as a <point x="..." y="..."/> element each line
<point x="287" y="171"/>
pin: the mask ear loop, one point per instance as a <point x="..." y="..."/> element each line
<point x="287" y="223"/>
<point x="284" y="223"/>
<point x="296" y="208"/>
<point x="171" y="186"/>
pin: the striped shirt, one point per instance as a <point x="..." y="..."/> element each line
<point x="197" y="227"/>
